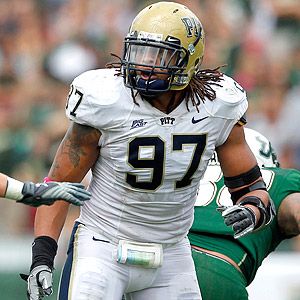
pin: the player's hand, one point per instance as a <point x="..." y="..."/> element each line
<point x="46" y="193"/>
<point x="241" y="218"/>
<point x="39" y="282"/>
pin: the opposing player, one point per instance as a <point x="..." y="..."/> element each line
<point x="221" y="259"/>
<point x="42" y="193"/>
<point x="147" y="128"/>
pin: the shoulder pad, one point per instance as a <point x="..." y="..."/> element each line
<point x="100" y="84"/>
<point x="230" y="92"/>
<point x="231" y="100"/>
<point x="95" y="96"/>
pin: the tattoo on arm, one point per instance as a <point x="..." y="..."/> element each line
<point x="79" y="148"/>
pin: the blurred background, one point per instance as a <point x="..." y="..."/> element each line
<point x="44" y="44"/>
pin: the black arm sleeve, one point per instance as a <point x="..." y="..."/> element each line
<point x="44" y="249"/>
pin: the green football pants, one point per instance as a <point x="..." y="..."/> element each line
<point x="218" y="280"/>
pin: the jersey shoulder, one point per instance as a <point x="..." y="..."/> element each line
<point x="100" y="85"/>
<point x="230" y="102"/>
<point x="95" y="97"/>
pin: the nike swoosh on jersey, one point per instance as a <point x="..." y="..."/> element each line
<point x="194" y="121"/>
<point x="98" y="240"/>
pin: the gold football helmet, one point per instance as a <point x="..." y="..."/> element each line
<point x="165" y="38"/>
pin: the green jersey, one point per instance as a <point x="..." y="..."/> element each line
<point x="210" y="232"/>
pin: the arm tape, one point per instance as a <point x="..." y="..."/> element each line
<point x="258" y="185"/>
<point x="13" y="189"/>
<point x="243" y="179"/>
<point x="267" y="213"/>
<point x="44" y="249"/>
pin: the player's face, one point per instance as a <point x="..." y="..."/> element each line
<point x="153" y="62"/>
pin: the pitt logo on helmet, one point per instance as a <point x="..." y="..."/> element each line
<point x="192" y="26"/>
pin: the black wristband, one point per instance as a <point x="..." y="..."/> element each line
<point x="258" y="203"/>
<point x="44" y="249"/>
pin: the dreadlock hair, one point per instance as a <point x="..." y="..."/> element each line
<point x="117" y="65"/>
<point x="200" y="86"/>
<point x="198" y="90"/>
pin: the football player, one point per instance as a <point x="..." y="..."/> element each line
<point x="36" y="194"/>
<point x="218" y="256"/>
<point x="147" y="128"/>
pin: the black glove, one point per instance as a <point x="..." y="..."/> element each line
<point x="36" y="194"/>
<point x="39" y="282"/>
<point x="241" y="218"/>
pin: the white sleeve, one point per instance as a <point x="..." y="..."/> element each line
<point x="95" y="99"/>
<point x="231" y="104"/>
<point x="79" y="108"/>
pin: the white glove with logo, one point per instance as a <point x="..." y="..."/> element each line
<point x="39" y="282"/>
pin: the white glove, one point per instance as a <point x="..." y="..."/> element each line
<point x="39" y="282"/>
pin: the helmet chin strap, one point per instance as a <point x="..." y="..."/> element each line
<point x="151" y="88"/>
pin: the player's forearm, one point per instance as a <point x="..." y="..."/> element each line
<point x="49" y="220"/>
<point x="3" y="184"/>
<point x="10" y="188"/>
<point x="263" y="195"/>
<point x="289" y="215"/>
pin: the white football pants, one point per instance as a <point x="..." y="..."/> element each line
<point x="91" y="272"/>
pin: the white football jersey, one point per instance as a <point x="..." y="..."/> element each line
<point x="145" y="180"/>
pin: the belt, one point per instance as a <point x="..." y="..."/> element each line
<point x="217" y="255"/>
